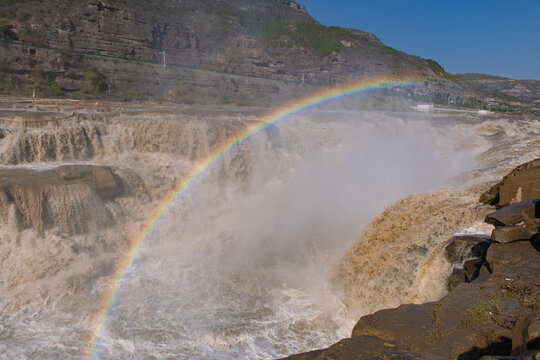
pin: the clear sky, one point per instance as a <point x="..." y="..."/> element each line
<point x="498" y="37"/>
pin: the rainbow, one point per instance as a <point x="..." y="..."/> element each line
<point x="295" y="107"/>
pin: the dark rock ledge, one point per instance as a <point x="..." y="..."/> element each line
<point x="493" y="308"/>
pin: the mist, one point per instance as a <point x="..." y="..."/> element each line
<point x="250" y="268"/>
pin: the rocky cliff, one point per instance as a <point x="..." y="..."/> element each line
<point x="227" y="51"/>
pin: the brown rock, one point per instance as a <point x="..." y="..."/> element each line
<point x="471" y="321"/>
<point x="461" y="247"/>
<point x="526" y="334"/>
<point x="505" y="234"/>
<point x="457" y="277"/>
<point x="522" y="183"/>
<point x="491" y="196"/>
<point x="474" y="268"/>
<point x="530" y="355"/>
<point x="311" y="355"/>
<point x="365" y="348"/>
<point x="69" y="198"/>
<point x="501" y="256"/>
<point x="525" y="211"/>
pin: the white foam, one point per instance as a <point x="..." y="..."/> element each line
<point x="479" y="228"/>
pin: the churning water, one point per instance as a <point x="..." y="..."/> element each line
<point x="256" y="260"/>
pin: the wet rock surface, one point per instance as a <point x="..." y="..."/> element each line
<point x="69" y="197"/>
<point x="473" y="320"/>
<point x="461" y="247"/>
<point x="492" y="309"/>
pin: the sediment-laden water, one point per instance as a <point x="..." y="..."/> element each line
<point x="268" y="253"/>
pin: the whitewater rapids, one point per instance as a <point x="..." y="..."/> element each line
<point x="262" y="257"/>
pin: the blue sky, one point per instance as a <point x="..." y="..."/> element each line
<point x="498" y="37"/>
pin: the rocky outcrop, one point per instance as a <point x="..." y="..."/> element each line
<point x="514" y="222"/>
<point x="394" y="259"/>
<point x="521" y="184"/>
<point x="492" y="310"/>
<point x="526" y="334"/>
<point x="504" y="234"/>
<point x="474" y="319"/>
<point x="527" y="90"/>
<point x="461" y="247"/>
<point x="70" y="198"/>
<point x="229" y="51"/>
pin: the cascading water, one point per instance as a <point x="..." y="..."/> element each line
<point x="256" y="259"/>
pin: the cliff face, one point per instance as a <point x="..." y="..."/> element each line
<point x="226" y="51"/>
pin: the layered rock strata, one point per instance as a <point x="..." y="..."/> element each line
<point x="71" y="198"/>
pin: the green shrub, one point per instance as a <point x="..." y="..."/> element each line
<point x="317" y="37"/>
<point x="435" y="66"/>
<point x="133" y="94"/>
<point x="96" y="83"/>
<point x="320" y="38"/>
<point x="225" y="10"/>
<point x="273" y="32"/>
<point x="483" y="310"/>
<point x="44" y="85"/>
<point x="387" y="50"/>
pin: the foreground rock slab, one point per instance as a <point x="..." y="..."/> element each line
<point x="525" y="211"/>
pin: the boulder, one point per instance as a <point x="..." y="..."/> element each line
<point x="474" y="268"/>
<point x="457" y="277"/>
<point x="491" y="196"/>
<point x="522" y="183"/>
<point x="526" y="334"/>
<point x="461" y="247"/>
<point x="501" y="256"/>
<point x="525" y="211"/>
<point x="505" y="234"/>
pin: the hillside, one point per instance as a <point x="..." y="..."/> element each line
<point x="510" y="90"/>
<point x="242" y="52"/>
<point x="229" y="51"/>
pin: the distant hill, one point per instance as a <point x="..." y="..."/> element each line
<point x="517" y="91"/>
<point x="220" y="51"/>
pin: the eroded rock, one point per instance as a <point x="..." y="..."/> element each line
<point x="473" y="320"/>
<point x="474" y="268"/>
<point x="461" y="247"/>
<point x="70" y="198"/>
<point x="526" y="334"/>
<point x="522" y="183"/>
<point x="526" y="211"/>
<point x="505" y="234"/>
